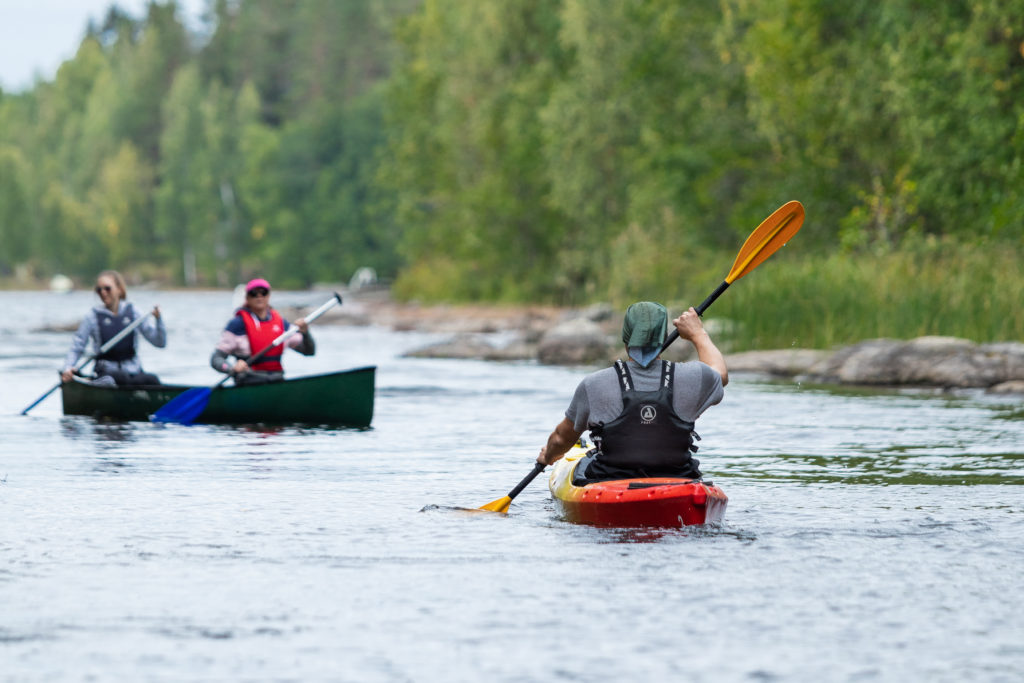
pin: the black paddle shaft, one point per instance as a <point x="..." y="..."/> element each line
<point x="700" y="311"/>
<point x="537" y="469"/>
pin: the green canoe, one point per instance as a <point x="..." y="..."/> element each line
<point x="337" y="398"/>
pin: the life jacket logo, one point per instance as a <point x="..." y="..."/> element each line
<point x="647" y="414"/>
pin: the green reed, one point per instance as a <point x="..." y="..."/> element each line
<point x="932" y="287"/>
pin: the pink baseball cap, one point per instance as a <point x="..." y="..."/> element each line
<point x="258" y="282"/>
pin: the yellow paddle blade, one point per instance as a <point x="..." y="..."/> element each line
<point x="500" y="505"/>
<point x="773" y="232"/>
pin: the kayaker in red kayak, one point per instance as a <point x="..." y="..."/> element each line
<point x="254" y="326"/>
<point x="641" y="412"/>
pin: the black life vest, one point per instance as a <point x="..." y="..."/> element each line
<point x="648" y="435"/>
<point x="109" y="326"/>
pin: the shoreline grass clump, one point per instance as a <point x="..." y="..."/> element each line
<point x="931" y="287"/>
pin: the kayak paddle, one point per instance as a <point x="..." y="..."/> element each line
<point x="87" y="359"/>
<point x="187" y="406"/>
<point x="501" y="505"/>
<point x="766" y="239"/>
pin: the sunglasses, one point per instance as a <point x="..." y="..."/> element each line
<point x="259" y="291"/>
<point x="103" y="288"/>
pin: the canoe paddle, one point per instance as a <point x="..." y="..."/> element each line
<point x="766" y="239"/>
<point x="87" y="359"/>
<point x="187" y="406"/>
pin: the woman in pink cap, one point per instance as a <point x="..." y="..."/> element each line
<point x="253" y="328"/>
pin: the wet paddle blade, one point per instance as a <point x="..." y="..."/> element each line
<point x="501" y="505"/>
<point x="185" y="407"/>
<point x="767" y="238"/>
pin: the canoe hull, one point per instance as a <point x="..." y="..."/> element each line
<point x="642" y="502"/>
<point x="338" y="398"/>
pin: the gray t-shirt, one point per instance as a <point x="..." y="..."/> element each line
<point x="598" y="397"/>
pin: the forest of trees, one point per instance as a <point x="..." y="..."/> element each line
<point x="513" y="150"/>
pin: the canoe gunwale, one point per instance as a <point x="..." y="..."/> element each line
<point x="339" y="398"/>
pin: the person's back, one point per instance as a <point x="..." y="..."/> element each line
<point x="642" y="419"/>
<point x="641" y="413"/>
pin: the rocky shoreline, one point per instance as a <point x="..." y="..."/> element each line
<point x="590" y="337"/>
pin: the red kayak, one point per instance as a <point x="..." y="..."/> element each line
<point x="643" y="502"/>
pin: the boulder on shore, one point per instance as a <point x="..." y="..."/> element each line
<point x="574" y="342"/>
<point x="925" y="361"/>
<point x="780" y="362"/>
<point x="1015" y="386"/>
<point x="476" y="347"/>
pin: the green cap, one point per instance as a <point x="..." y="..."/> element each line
<point x="645" y="325"/>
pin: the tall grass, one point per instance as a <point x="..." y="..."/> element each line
<point x="931" y="287"/>
<point x="797" y="298"/>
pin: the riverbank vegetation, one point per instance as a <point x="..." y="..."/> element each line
<point x="929" y="287"/>
<point x="557" y="151"/>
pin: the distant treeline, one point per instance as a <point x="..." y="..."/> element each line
<point x="510" y="150"/>
<point x="202" y="159"/>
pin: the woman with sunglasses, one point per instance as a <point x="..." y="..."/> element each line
<point x="254" y="326"/>
<point x="119" y="364"/>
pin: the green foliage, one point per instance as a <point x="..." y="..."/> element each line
<point x="543" y="150"/>
<point x="15" y="209"/>
<point x="464" y="157"/>
<point x="929" y="286"/>
<point x="255" y="152"/>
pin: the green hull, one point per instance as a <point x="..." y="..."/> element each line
<point x="338" y="398"/>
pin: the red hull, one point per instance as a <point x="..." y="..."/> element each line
<point x="649" y="502"/>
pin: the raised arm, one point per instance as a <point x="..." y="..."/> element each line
<point x="690" y="327"/>
<point x="303" y="342"/>
<point x="153" y="329"/>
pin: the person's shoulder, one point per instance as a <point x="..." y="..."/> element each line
<point x="235" y="325"/>
<point x="603" y="373"/>
<point x="691" y="366"/>
<point x="600" y="379"/>
<point x="96" y="313"/>
<point x="698" y="369"/>
<point x="90" y="319"/>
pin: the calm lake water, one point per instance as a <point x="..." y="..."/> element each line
<point x="869" y="537"/>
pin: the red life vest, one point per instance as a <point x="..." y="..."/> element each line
<point x="261" y="333"/>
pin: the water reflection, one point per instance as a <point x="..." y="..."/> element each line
<point x="911" y="464"/>
<point x="1009" y="412"/>
<point x="77" y="428"/>
<point x="110" y="465"/>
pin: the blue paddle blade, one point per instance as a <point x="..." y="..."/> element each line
<point x="185" y="407"/>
